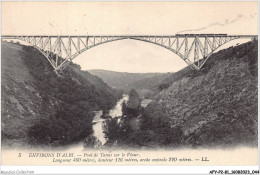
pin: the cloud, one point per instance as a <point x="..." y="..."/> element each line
<point x="227" y="22"/>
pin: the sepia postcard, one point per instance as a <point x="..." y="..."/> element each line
<point x="129" y="83"/>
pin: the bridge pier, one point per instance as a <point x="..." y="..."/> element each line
<point x="59" y="72"/>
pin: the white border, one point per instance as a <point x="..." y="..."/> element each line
<point x="127" y="169"/>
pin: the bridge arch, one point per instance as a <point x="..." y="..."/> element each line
<point x="186" y="46"/>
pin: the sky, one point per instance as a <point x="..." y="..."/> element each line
<point x="129" y="18"/>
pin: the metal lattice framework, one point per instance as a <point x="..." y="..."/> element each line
<point x="194" y="49"/>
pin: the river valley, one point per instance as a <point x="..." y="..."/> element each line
<point x="98" y="121"/>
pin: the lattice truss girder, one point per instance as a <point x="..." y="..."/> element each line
<point x="193" y="49"/>
<point x="61" y="50"/>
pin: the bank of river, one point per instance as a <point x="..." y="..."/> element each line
<point x="98" y="129"/>
<point x="98" y="121"/>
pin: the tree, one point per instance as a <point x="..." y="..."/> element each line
<point x="134" y="103"/>
<point x="124" y="108"/>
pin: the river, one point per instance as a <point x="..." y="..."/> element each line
<point x="98" y="122"/>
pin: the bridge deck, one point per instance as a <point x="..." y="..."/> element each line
<point x="129" y="36"/>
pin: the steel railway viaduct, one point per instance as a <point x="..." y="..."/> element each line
<point x="194" y="49"/>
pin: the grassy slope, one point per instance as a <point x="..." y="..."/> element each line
<point x="18" y="92"/>
<point x="218" y="104"/>
<point x="40" y="107"/>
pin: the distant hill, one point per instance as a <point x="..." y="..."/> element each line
<point x="148" y="87"/>
<point x="144" y="83"/>
<point x="120" y="79"/>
